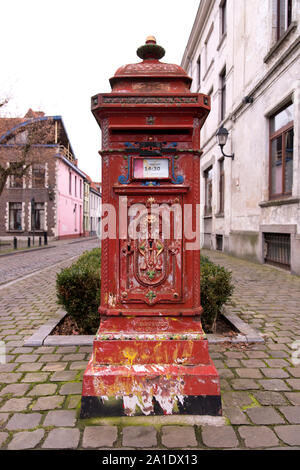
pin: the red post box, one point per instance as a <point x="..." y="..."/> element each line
<point x="150" y="354"/>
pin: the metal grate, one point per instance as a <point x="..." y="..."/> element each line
<point x="278" y="249"/>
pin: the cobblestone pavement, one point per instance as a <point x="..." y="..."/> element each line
<point x="22" y="263"/>
<point x="40" y="388"/>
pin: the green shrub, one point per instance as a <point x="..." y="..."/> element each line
<point x="216" y="288"/>
<point x="78" y="290"/>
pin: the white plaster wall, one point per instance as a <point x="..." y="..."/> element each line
<point x="271" y="81"/>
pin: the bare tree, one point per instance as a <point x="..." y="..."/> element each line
<point x="30" y="132"/>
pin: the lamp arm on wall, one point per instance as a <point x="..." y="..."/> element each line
<point x="224" y="154"/>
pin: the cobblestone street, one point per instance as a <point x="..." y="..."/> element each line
<point x="40" y="388"/>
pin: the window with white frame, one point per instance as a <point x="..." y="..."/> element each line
<point x="281" y="152"/>
<point x="15" y="216"/>
<point x="283" y="10"/>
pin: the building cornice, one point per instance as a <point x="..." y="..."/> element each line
<point x="200" y="20"/>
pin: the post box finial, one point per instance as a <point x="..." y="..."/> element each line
<point x="150" y="50"/>
<point x="150" y="40"/>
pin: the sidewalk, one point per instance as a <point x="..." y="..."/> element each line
<point x="40" y="388"/>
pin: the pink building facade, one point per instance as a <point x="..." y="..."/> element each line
<point x="69" y="195"/>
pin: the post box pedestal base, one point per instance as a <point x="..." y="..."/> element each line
<point x="150" y="390"/>
<point x="150" y="366"/>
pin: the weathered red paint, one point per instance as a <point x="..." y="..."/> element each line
<point x="150" y="342"/>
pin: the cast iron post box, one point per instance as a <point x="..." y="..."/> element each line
<point x="150" y="354"/>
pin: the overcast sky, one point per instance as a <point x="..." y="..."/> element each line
<point x="56" y="54"/>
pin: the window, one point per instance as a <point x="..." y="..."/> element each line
<point x="38" y="217"/>
<point x="15" y="181"/>
<point x="281" y="152"/>
<point x="80" y="189"/>
<point x="223" y="94"/>
<point x="15" y="216"/>
<point x="223" y="12"/>
<point x="70" y="183"/>
<point x="38" y="175"/>
<point x="199" y="72"/>
<point x="208" y="191"/>
<point x="75" y="185"/>
<point x="283" y="16"/>
<point x="221" y="186"/>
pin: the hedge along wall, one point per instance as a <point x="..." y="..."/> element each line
<point x="78" y="290"/>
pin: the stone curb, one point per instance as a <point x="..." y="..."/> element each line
<point x="38" y="338"/>
<point x="19" y="252"/>
<point x="43" y="335"/>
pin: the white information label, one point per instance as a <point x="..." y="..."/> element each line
<point x="151" y="168"/>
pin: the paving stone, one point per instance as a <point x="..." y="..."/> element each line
<point x="275" y="373"/>
<point x="219" y="437"/>
<point x="237" y="399"/>
<point x="293" y="397"/>
<point x="66" y="349"/>
<point x="15" y="389"/>
<point x="257" y="354"/>
<point x="43" y="389"/>
<point x="8" y="378"/>
<point x="30" y="367"/>
<point x="48" y="403"/>
<point x="225" y="373"/>
<point x="258" y="437"/>
<point x="22" y="350"/>
<point x="253" y="363"/>
<point x="73" y="357"/>
<point x="71" y="388"/>
<point x="99" y="436"/>
<point x="3" y="418"/>
<point x="264" y="415"/>
<point x="294" y="371"/>
<point x="55" y="367"/>
<point x="44" y="350"/>
<point x="244" y="384"/>
<point x="60" y="418"/>
<point x="280" y="354"/>
<point x="26" y="440"/>
<point x="73" y="401"/>
<point x="274" y="384"/>
<point x="63" y="376"/>
<point x="62" y="438"/>
<point x="294" y="383"/>
<point x="50" y="358"/>
<point x="36" y="377"/>
<point x="78" y="365"/>
<point x="233" y="363"/>
<point x="3" y="437"/>
<point x="27" y="358"/>
<point x="24" y="421"/>
<point x="7" y="367"/>
<point x="292" y="413"/>
<point x="289" y="434"/>
<point x="16" y="404"/>
<point x="277" y="363"/>
<point x="270" y="398"/>
<point x="235" y="415"/>
<point x="139" y="436"/>
<point x="249" y="373"/>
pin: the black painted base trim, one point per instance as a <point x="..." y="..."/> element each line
<point x="95" y="407"/>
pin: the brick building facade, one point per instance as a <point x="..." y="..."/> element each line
<point x="49" y="197"/>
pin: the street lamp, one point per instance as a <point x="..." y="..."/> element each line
<point x="222" y="136"/>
